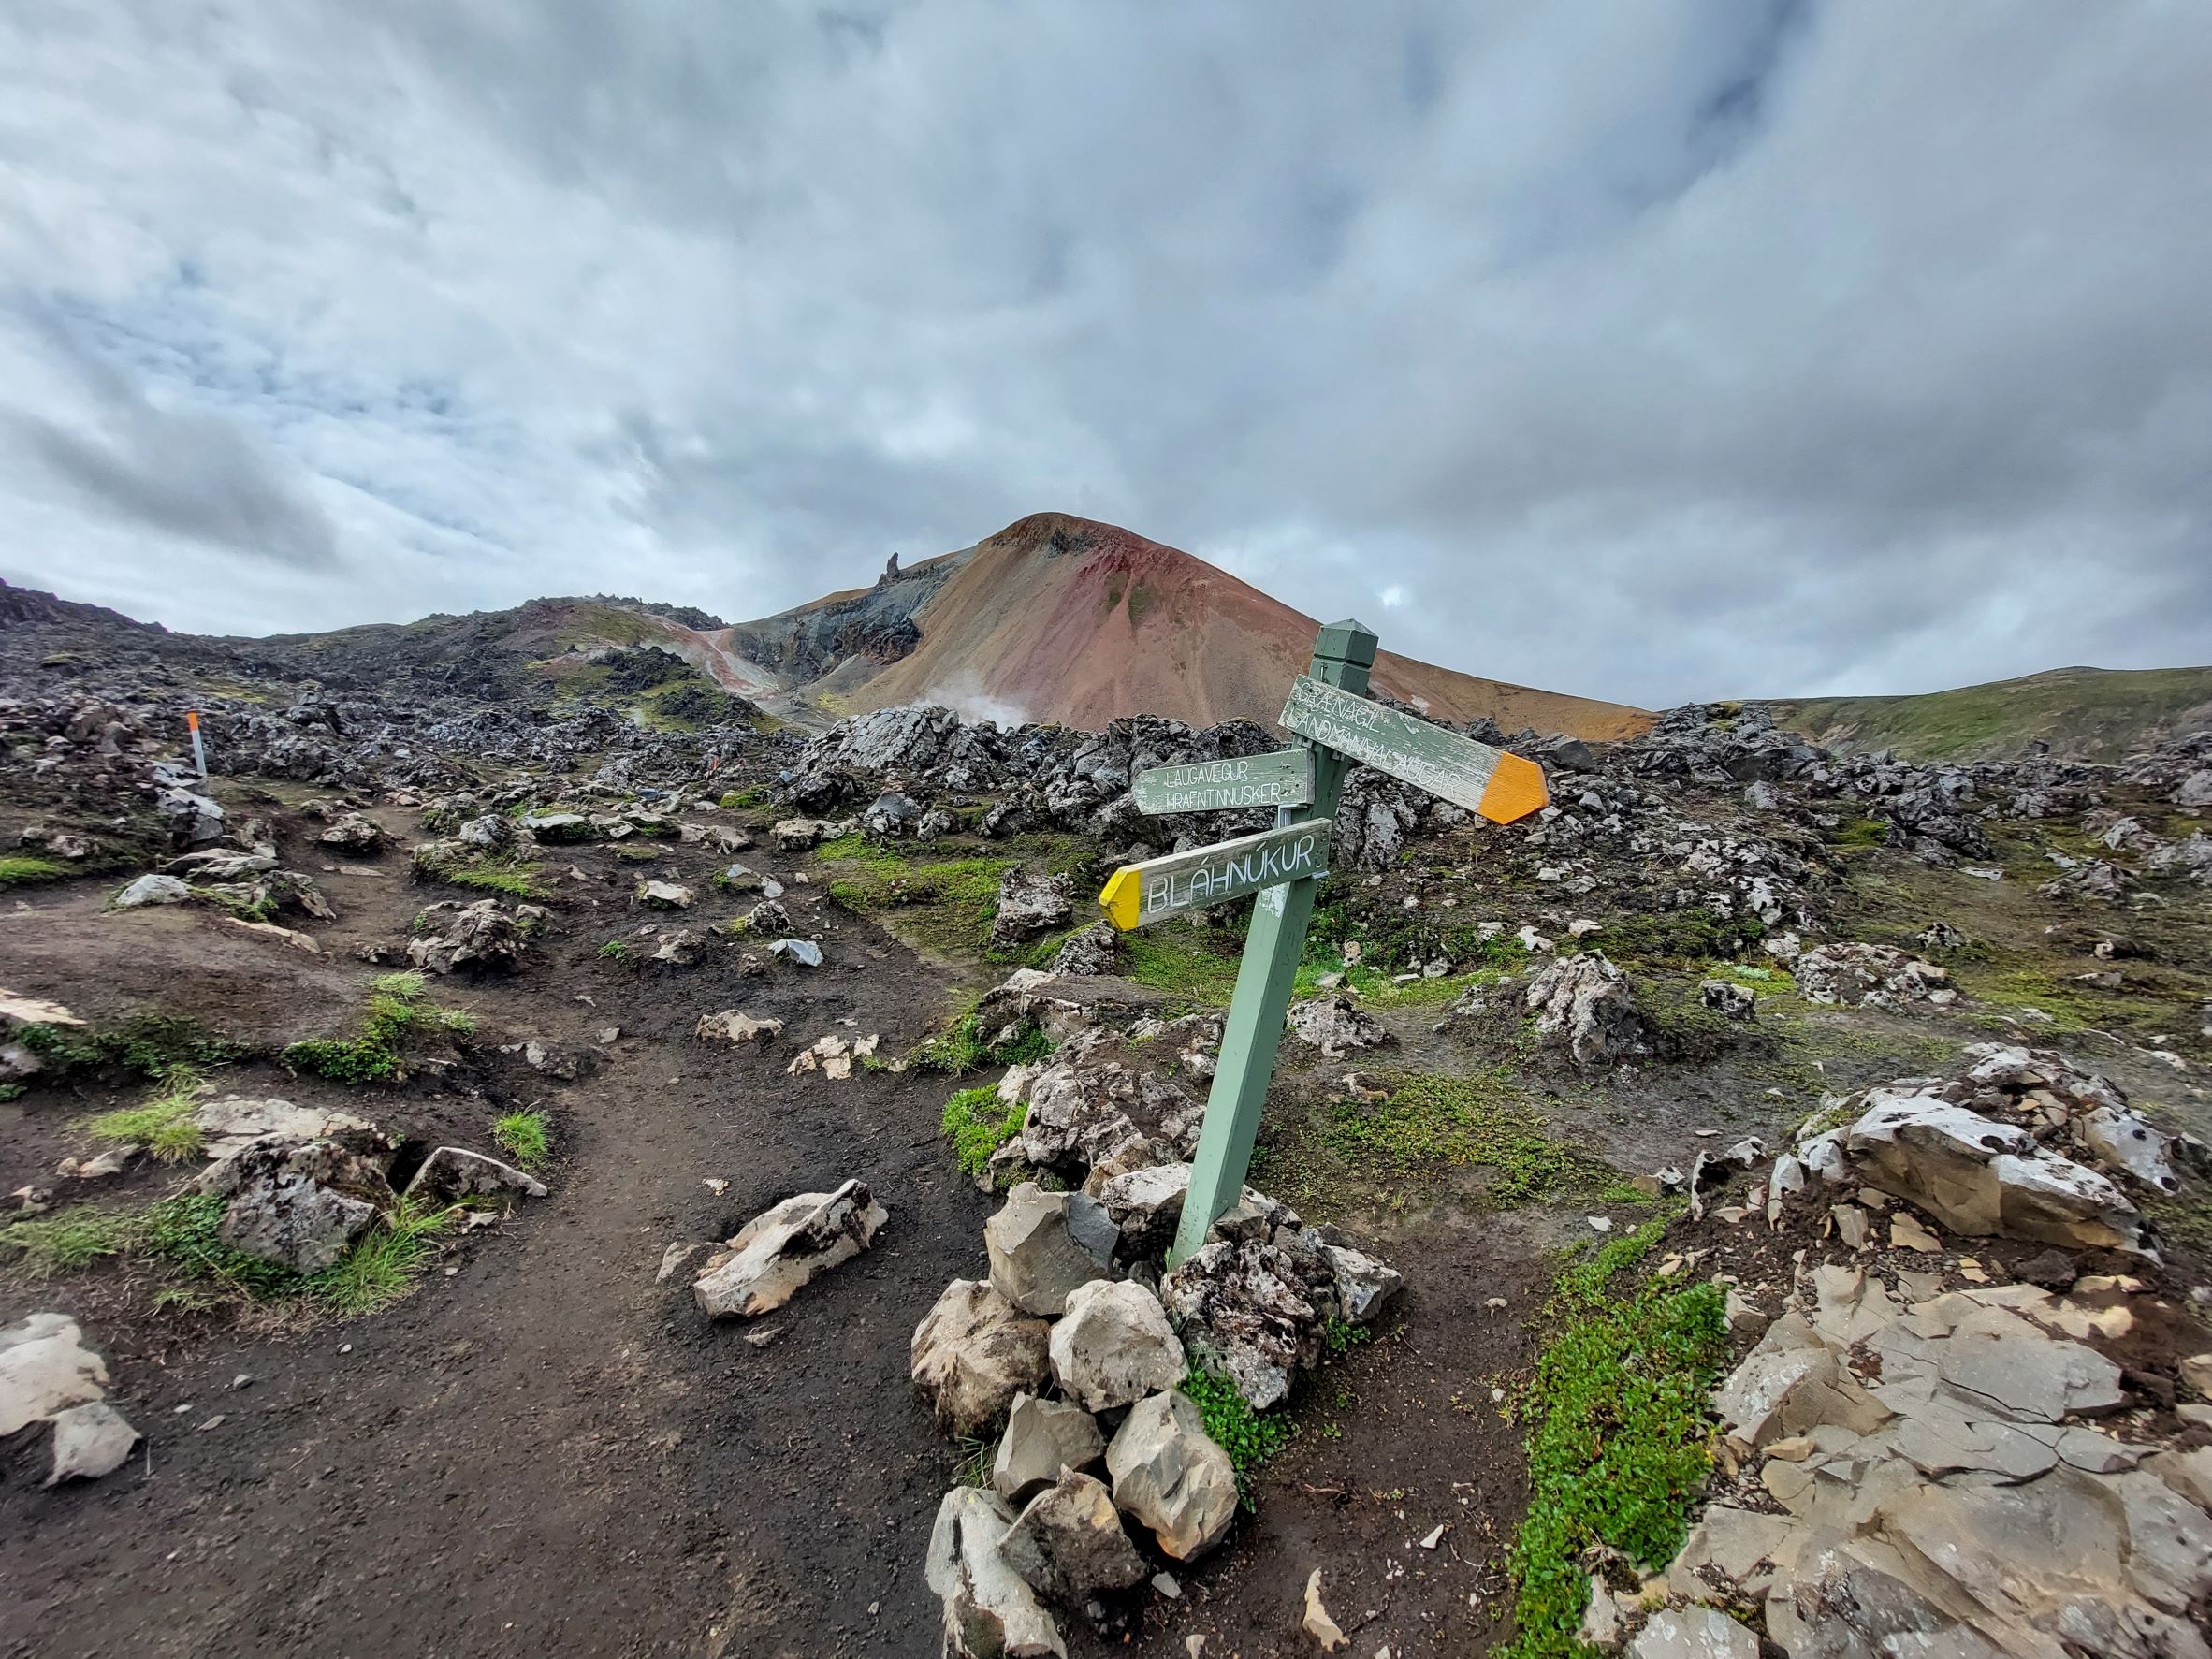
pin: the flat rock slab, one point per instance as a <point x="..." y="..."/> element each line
<point x="781" y="1249"/>
<point x="45" y="1368"/>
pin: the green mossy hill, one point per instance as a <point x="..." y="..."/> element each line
<point x="2093" y="714"/>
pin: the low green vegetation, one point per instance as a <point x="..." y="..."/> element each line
<point x="1184" y="959"/>
<point x="1676" y="939"/>
<point x="2086" y="713"/>
<point x="152" y="1045"/>
<point x="740" y="800"/>
<point x="396" y="1011"/>
<point x="383" y="1265"/>
<point x="479" y="873"/>
<point x="17" y="870"/>
<point x="163" y="1126"/>
<point x="977" y="1124"/>
<point x="616" y="950"/>
<point x="1250" y="1437"/>
<point x="1619" y="1434"/>
<point x="960" y="1048"/>
<point x="940" y="905"/>
<point x="68" y="1238"/>
<point x="527" y="1136"/>
<point x="182" y="1235"/>
<point x="1412" y="1139"/>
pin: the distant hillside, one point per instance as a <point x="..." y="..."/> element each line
<point x="2091" y="714"/>
<point x="1061" y="618"/>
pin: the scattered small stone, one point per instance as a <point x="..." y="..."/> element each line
<point x="1318" y="1623"/>
<point x="782" y="1248"/>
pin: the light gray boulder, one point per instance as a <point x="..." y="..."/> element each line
<point x="1334" y="1025"/>
<point x="88" y="1441"/>
<point x="45" y="1368"/>
<point x="1246" y="1309"/>
<point x="664" y="896"/>
<point x="1042" y="1437"/>
<point x="300" y="1205"/>
<point x="1028" y="903"/>
<point x="782" y="1248"/>
<point x="1044" y="1244"/>
<point x="804" y="951"/>
<point x="1144" y="1205"/>
<point x="1114" y="1345"/>
<point x="1068" y="1542"/>
<point x="1582" y="1004"/>
<point x="1364" y="1285"/>
<point x="1170" y="1477"/>
<point x="973" y="1354"/>
<point x="234" y="1123"/>
<point x="453" y="1173"/>
<point x="1693" y="1633"/>
<point x="1089" y="952"/>
<point x="990" y="1613"/>
<point x="152" y="890"/>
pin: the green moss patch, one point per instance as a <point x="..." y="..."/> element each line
<point x="978" y="1126"/>
<point x="19" y="870"/>
<point x="1416" y="1138"/>
<point x="396" y="1011"/>
<point x="1619" y="1435"/>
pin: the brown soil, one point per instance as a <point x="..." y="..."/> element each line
<point x="542" y="1449"/>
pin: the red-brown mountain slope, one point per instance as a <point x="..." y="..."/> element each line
<point x="1061" y="618"/>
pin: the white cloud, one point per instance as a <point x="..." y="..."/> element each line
<point x="1707" y="347"/>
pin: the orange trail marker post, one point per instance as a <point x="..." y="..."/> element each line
<point x="199" y="753"/>
<point x="1285" y="866"/>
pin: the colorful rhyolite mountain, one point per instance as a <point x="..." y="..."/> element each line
<point x="1061" y="618"/>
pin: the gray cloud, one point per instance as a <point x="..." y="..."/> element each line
<point x="1709" y="347"/>
<point x="185" y="471"/>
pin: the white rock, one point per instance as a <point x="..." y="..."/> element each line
<point x="45" y="1368"/>
<point x="88" y="1441"/>
<point x="782" y="1248"/>
<point x="1042" y="1437"/>
<point x="1694" y="1633"/>
<point x="974" y="1354"/>
<point x="1114" y="1345"/>
<point x="990" y="1613"/>
<point x="152" y="890"/>
<point x="1172" y="1477"/>
<point x="1043" y="1246"/>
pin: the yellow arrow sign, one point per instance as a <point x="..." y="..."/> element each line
<point x="1137" y="894"/>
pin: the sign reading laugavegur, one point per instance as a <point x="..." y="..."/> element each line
<point x="1138" y="893"/>
<point x="1500" y="786"/>
<point x="1284" y="778"/>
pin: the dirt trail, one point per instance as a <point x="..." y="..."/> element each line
<point x="544" y="1450"/>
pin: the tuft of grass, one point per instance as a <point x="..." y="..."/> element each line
<point x="69" y="1239"/>
<point x="1619" y="1435"/>
<point x="524" y="1135"/>
<point x="383" y="1267"/>
<point x="19" y="868"/>
<point x="739" y="800"/>
<point x="163" y="1126"/>
<point x="1250" y="1437"/>
<point x="978" y="1126"/>
<point x="1184" y="960"/>
<point x="395" y="1009"/>
<point x="978" y="1452"/>
<point x="960" y="1048"/>
<point x="616" y="950"/>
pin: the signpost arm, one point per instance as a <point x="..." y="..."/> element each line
<point x="1343" y="654"/>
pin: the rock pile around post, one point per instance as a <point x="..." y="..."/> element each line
<point x="1073" y="1363"/>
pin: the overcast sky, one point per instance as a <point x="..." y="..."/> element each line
<point x="1651" y="352"/>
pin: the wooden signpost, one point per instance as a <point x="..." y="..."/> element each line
<point x="1284" y="778"/>
<point x="1285" y="866"/>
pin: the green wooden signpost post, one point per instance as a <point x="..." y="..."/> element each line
<point x="1329" y="706"/>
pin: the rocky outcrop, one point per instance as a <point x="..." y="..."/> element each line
<point x="486" y="935"/>
<point x="1334" y="1025"/>
<point x="1874" y="976"/>
<point x="1582" y="1005"/>
<point x="781" y="1248"/>
<point x="1029" y="904"/>
<point x="1939" y="1490"/>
